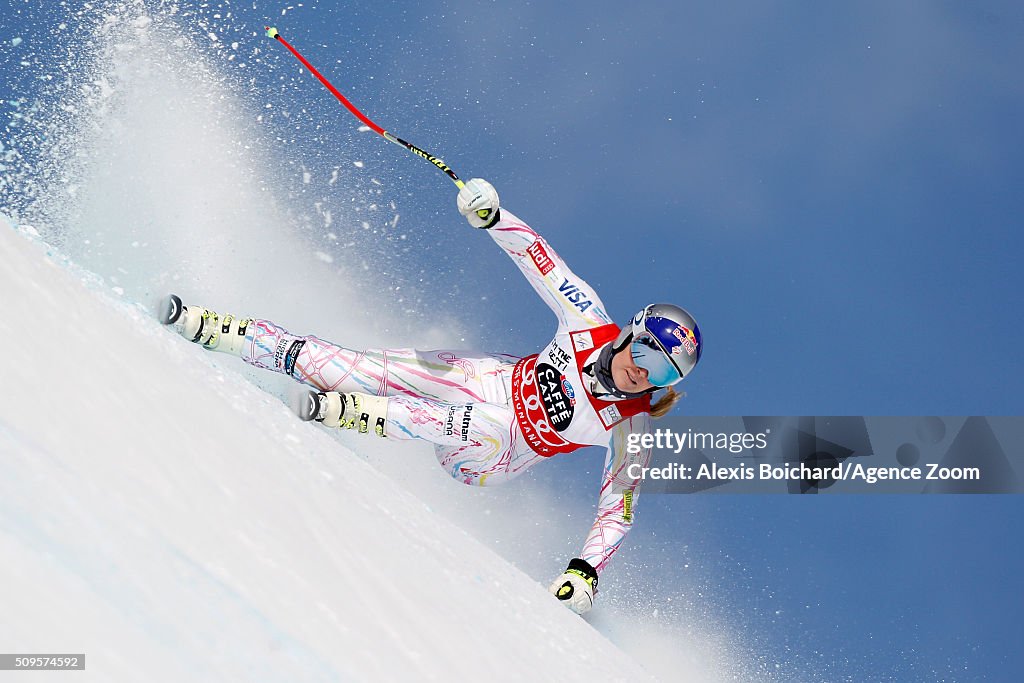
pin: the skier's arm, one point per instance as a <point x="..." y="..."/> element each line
<point x="577" y="585"/>
<point x="569" y="296"/>
<point x="620" y="485"/>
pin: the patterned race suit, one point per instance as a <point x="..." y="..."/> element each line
<point x="491" y="416"/>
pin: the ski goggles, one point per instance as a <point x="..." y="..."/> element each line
<point x="648" y="354"/>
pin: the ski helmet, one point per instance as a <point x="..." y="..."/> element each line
<point x="664" y="340"/>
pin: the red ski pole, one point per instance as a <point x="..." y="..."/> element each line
<point x="273" y="33"/>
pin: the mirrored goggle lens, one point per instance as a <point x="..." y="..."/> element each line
<point x="649" y="356"/>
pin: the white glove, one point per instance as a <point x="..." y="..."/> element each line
<point x="478" y="202"/>
<point x="576" y="586"/>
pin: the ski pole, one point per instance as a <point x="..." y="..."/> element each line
<point x="273" y="33"/>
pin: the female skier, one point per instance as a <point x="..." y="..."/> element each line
<point x="491" y="416"/>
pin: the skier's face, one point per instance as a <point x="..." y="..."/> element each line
<point x="628" y="376"/>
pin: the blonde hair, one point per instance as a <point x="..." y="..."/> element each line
<point x="665" y="403"/>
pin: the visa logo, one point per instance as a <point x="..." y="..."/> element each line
<point x="574" y="295"/>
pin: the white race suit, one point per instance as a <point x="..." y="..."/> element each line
<point x="491" y="416"/>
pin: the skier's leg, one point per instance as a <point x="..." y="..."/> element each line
<point x="476" y="443"/>
<point x="268" y="346"/>
<point x="447" y="376"/>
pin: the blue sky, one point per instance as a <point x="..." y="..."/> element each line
<point x="831" y="190"/>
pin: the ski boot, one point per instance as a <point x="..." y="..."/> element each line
<point x="203" y="326"/>
<point x="346" y="411"/>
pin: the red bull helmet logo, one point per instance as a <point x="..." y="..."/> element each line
<point x="687" y="340"/>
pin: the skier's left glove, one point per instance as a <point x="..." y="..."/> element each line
<point x="478" y="202"/>
<point x="576" y="586"/>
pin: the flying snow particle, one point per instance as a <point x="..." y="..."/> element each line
<point x="105" y="88"/>
<point x="326" y="258"/>
<point x="363" y="129"/>
<point x="15" y="42"/>
<point x="334" y="177"/>
<point x="306" y="177"/>
<point x="213" y="36"/>
<point x="357" y="164"/>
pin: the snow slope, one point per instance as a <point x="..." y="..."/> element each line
<point x="172" y="521"/>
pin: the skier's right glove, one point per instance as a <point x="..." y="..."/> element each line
<point x="478" y="202"/>
<point x="576" y="586"/>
